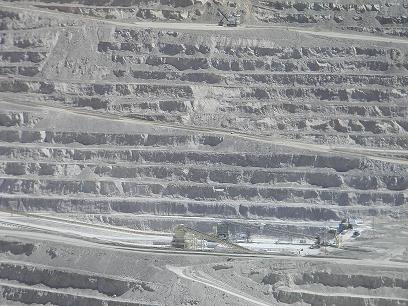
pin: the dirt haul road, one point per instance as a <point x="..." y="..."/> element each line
<point x="360" y="152"/>
<point x="206" y="27"/>
<point x="48" y="231"/>
<point x="196" y="276"/>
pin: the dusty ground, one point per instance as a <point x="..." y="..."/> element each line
<point x="126" y="119"/>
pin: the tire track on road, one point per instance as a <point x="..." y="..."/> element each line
<point x="199" y="278"/>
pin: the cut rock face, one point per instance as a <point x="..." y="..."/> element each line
<point x="319" y="91"/>
<point x="147" y="114"/>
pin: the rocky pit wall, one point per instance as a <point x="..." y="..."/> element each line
<point x="324" y="91"/>
<point x="143" y="127"/>
<point x="166" y="174"/>
<point x="313" y="283"/>
<point x="329" y="93"/>
<point x="277" y="282"/>
<point x="379" y="17"/>
<point x="334" y="92"/>
<point x="59" y="273"/>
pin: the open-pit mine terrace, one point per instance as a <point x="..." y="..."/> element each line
<point x="129" y="118"/>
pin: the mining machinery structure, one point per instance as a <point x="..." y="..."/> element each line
<point x="230" y="20"/>
<point x="184" y="238"/>
<point x="222" y="231"/>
